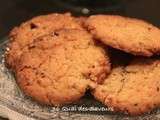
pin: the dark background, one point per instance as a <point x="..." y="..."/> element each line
<point x="13" y="12"/>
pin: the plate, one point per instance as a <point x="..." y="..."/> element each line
<point x="14" y="103"/>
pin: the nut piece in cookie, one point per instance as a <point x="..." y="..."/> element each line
<point x="24" y="34"/>
<point x="134" y="89"/>
<point x="58" y="68"/>
<point x="128" y="34"/>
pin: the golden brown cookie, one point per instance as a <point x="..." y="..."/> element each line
<point x="58" y="68"/>
<point x="34" y="28"/>
<point x="134" y="89"/>
<point x="128" y="34"/>
<point x="81" y="20"/>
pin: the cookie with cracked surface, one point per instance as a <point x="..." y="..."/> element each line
<point x="57" y="69"/>
<point x="34" y="28"/>
<point x="128" y="34"/>
<point x="134" y="89"/>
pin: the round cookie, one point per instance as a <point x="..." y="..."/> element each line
<point x="58" y="68"/>
<point x="34" y="28"/>
<point x="128" y="34"/>
<point x="134" y="89"/>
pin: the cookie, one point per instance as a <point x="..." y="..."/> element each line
<point x="127" y="34"/>
<point x="81" y="20"/>
<point x="132" y="89"/>
<point x="58" y="68"/>
<point x="34" y="28"/>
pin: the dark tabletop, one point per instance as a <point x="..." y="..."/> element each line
<point x="3" y="119"/>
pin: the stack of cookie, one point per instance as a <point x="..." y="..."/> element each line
<point x="56" y="58"/>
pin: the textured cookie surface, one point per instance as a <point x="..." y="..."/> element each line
<point x="134" y="89"/>
<point x="58" y="68"/>
<point x="127" y="34"/>
<point x="34" y="28"/>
